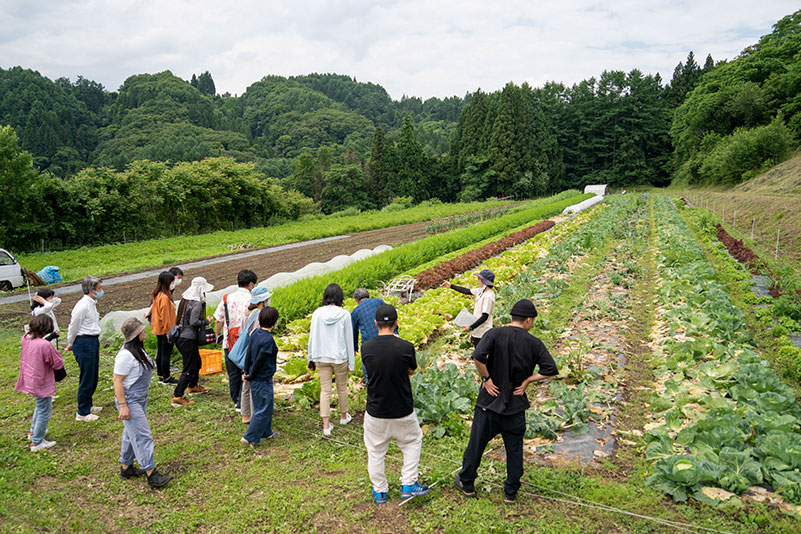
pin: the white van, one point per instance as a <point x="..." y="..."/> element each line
<point x="10" y="271"/>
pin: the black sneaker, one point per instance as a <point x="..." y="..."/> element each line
<point x="509" y="499"/>
<point x="157" y="480"/>
<point x="171" y="380"/>
<point x="470" y="493"/>
<point x="131" y="472"/>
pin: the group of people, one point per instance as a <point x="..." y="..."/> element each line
<point x="508" y="359"/>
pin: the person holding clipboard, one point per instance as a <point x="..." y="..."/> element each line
<point x="484" y="306"/>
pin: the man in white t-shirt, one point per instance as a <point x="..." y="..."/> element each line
<point x="228" y="315"/>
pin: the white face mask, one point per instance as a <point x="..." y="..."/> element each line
<point x="178" y="281"/>
<point x="173" y="284"/>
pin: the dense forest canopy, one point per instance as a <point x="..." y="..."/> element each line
<point x="327" y="142"/>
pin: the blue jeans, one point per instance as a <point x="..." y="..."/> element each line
<point x="87" y="353"/>
<point x="41" y="415"/>
<point x="261" y="423"/>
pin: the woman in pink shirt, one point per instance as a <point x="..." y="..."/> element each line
<point x="37" y="364"/>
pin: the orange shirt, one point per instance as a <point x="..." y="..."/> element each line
<point x="162" y="317"/>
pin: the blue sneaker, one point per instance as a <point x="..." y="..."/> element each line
<point x="380" y="497"/>
<point x="415" y="490"/>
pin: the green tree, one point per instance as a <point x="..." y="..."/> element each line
<point x="344" y="188"/>
<point x="412" y="173"/>
<point x="18" y="202"/>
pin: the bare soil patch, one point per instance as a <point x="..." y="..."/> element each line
<point x="136" y="294"/>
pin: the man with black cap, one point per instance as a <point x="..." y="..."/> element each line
<point x="390" y="361"/>
<point x="507" y="359"/>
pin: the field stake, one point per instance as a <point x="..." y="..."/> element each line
<point x="723" y="217"/>
<point x="734" y="224"/>
<point x="753" y="223"/>
<point x="777" y="242"/>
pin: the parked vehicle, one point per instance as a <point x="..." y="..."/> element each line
<point x="10" y="271"/>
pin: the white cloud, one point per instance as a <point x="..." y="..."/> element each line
<point x="412" y="47"/>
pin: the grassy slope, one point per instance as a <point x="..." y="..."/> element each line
<point x="120" y="258"/>
<point x="773" y="200"/>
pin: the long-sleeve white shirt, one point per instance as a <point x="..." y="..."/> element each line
<point x="47" y="309"/>
<point x="85" y="319"/>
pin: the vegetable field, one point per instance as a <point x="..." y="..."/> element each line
<point x="675" y="409"/>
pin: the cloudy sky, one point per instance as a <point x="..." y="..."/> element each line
<point x="415" y="47"/>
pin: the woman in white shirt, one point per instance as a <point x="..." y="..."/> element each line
<point x="331" y="352"/>
<point x="133" y="370"/>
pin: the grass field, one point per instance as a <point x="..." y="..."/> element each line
<point x="118" y="258"/>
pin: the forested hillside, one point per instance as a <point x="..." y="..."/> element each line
<point x="344" y="144"/>
<point x="744" y="115"/>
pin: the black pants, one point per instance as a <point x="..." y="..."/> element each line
<point x="190" y="373"/>
<point x="234" y="380"/>
<point x="163" y="356"/>
<point x="487" y="425"/>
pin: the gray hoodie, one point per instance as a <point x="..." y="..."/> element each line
<point x="331" y="336"/>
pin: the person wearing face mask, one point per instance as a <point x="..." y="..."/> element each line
<point x="179" y="277"/>
<point x="162" y="319"/>
<point x="484" y="306"/>
<point x="83" y="339"/>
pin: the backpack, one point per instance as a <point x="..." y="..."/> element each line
<point x="238" y="352"/>
<point x="233" y="333"/>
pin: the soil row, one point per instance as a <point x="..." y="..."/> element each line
<point x="437" y="274"/>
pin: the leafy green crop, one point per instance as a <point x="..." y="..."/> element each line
<point x="440" y="393"/>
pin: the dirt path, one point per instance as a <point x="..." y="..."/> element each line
<point x="136" y="294"/>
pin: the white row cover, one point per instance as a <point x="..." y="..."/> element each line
<point x="111" y="322"/>
<point x="583" y="205"/>
<point x="598" y="189"/>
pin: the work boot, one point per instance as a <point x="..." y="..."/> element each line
<point x="157" y="480"/>
<point x="131" y="472"/>
<point x="177" y="402"/>
<point x="198" y="389"/>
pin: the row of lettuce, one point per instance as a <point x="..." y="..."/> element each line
<point x="722" y="417"/>
<point x="298" y="299"/>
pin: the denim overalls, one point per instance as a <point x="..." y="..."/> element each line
<point x="136" y="439"/>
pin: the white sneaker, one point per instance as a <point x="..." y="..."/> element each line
<point x="95" y="409"/>
<point x="346" y="420"/>
<point x="43" y="445"/>
<point x="87" y="417"/>
<point x="327" y="431"/>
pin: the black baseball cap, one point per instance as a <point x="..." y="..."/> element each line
<point x="386" y="313"/>
<point x="524" y="308"/>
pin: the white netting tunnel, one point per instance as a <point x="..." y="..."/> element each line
<point x="111" y="322"/>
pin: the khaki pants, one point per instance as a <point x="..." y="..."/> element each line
<point x="326" y="371"/>
<point x="377" y="433"/>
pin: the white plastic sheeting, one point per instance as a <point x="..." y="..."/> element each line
<point x="583" y="205"/>
<point x="111" y="322"/>
<point x="599" y="189"/>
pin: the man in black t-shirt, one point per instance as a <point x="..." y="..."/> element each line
<point x="390" y="361"/>
<point x="506" y="359"/>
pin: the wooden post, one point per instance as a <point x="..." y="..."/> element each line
<point x="734" y="224"/>
<point x="777" y="242"/>
<point x="723" y="217"/>
<point x="753" y="223"/>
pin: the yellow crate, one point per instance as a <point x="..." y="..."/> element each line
<point x="210" y="361"/>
